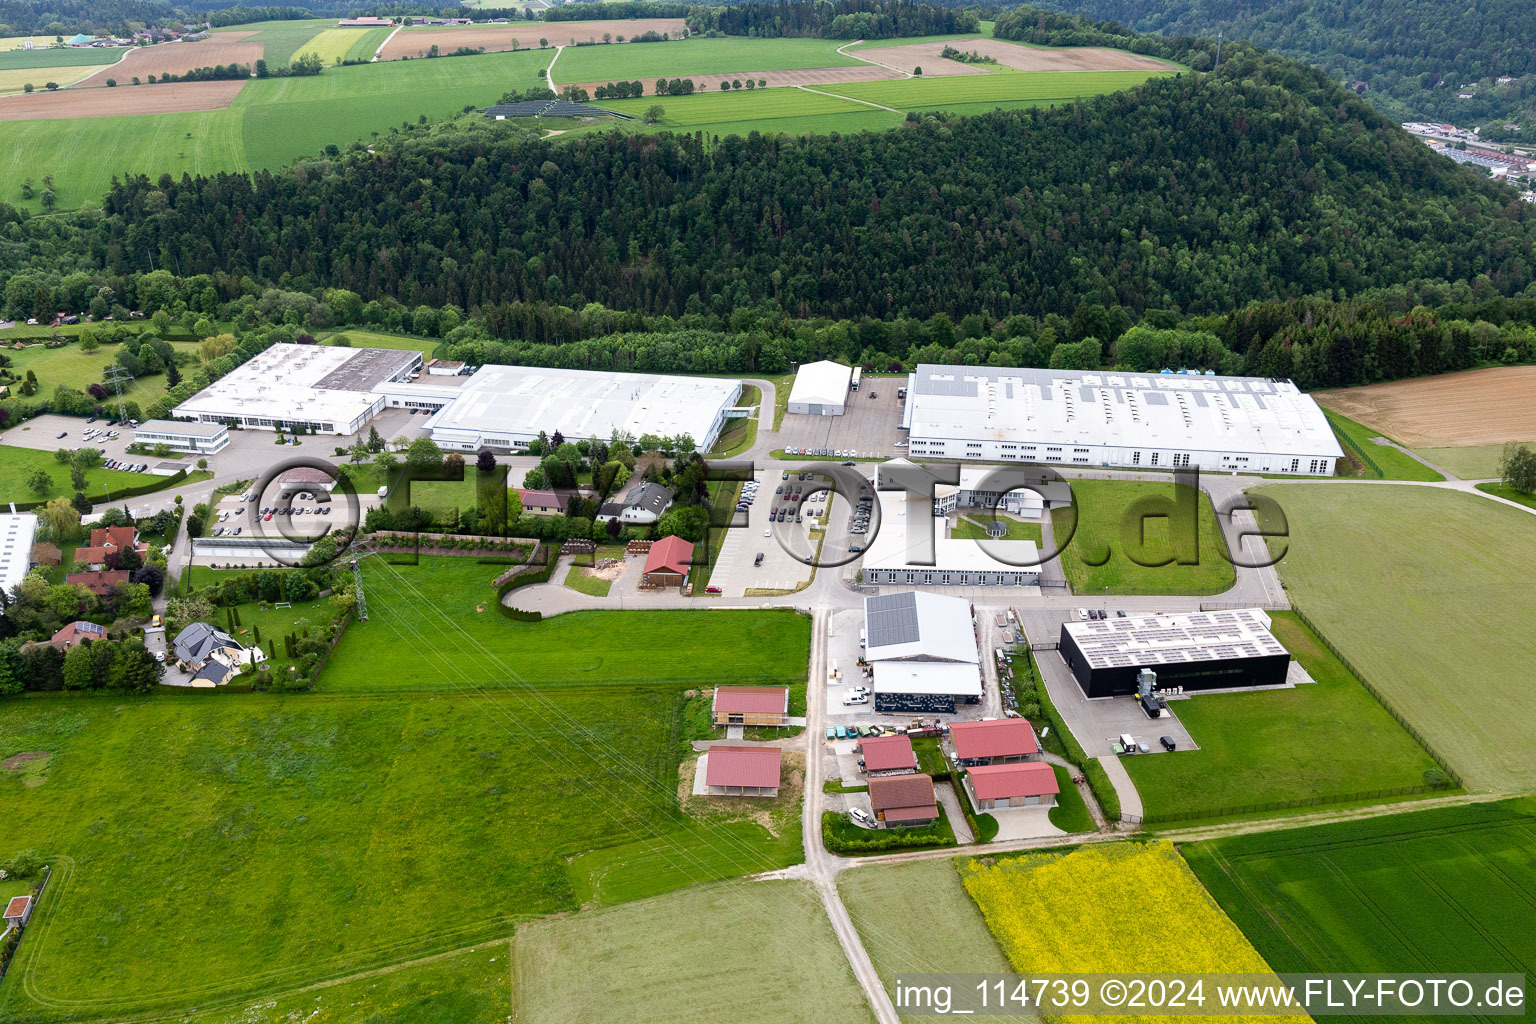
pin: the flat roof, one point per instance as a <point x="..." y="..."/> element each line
<point x="180" y="427"/>
<point x="1147" y="641"/>
<point x="367" y="368"/>
<point x="922" y="626"/>
<point x="891" y="548"/>
<point x="514" y="401"/>
<point x="944" y="677"/>
<point x="742" y="766"/>
<point x="821" y="383"/>
<point x="1124" y="410"/>
<point x="296" y="382"/>
<point x="18" y="530"/>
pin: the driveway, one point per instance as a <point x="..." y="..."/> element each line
<point x="1025" y="823"/>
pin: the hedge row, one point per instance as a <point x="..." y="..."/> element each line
<point x="159" y="483"/>
<point x="1098" y="778"/>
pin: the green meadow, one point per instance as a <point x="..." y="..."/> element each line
<point x="690" y="58"/>
<point x="999" y="88"/>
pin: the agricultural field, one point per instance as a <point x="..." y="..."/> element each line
<point x="16" y="79"/>
<point x="268" y="803"/>
<point x="763" y="109"/>
<point x="17" y="464"/>
<point x="689" y="58"/>
<point x="335" y="45"/>
<point x="439" y="620"/>
<point x="917" y="917"/>
<point x="57" y="57"/>
<point x="1252" y="751"/>
<point x="416" y="42"/>
<point x="999" y="89"/>
<point x="1410" y="584"/>
<point x="1069" y="913"/>
<point x="1474" y="407"/>
<point x="1386" y="462"/>
<point x="178" y="58"/>
<point x="280" y="41"/>
<point x="1104" y="513"/>
<point x="681" y="959"/>
<point x="1013" y="55"/>
<point x="1439" y="890"/>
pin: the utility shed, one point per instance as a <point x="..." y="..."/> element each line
<point x="742" y="771"/>
<point x="821" y="389"/>
<point x="751" y="705"/>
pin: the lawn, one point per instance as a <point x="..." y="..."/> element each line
<point x="972" y="528"/>
<point x="696" y="58"/>
<point x="1070" y="813"/>
<point x="917" y="918"/>
<point x="578" y="579"/>
<point x="59" y="57"/>
<point x="865" y="44"/>
<point x="1068" y="913"/>
<point x="1508" y="492"/>
<point x="374" y="339"/>
<point x="741" y="434"/>
<point x="999" y="88"/>
<point x="16" y="464"/>
<point x="683" y="959"/>
<point x="713" y="107"/>
<point x="1469" y="462"/>
<point x="274" y="624"/>
<point x="1390" y="463"/>
<point x="1428" y="593"/>
<point x="285" y="840"/>
<point x="74" y="367"/>
<point x="427" y="626"/>
<point x="1107" y="532"/>
<point x="1331" y="741"/>
<point x="1440" y="890"/>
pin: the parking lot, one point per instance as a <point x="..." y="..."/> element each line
<point x="784" y="546"/>
<point x="871" y="426"/>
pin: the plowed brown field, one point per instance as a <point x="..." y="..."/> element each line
<point x="1023" y="58"/>
<point x="1475" y="407"/>
<point x="179" y="58"/>
<point x="803" y="76"/>
<point x="415" y="42"/>
<point x="171" y="98"/>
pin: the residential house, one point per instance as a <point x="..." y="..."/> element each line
<point x="641" y="505"/>
<point x="903" y="801"/>
<point x="109" y="541"/>
<point x="195" y="645"/>
<point x="999" y="741"/>
<point x="751" y="705"/>
<point x="1021" y="784"/>
<point x="668" y="563"/>
<point x="102" y="584"/>
<point x="546" y="503"/>
<point x="76" y="631"/>
<point x="742" y="771"/>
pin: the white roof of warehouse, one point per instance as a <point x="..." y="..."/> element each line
<point x="1126" y="410"/>
<point x="17" y="532"/>
<point x="822" y="383"/>
<point x="1147" y="641"/>
<point x="318" y="383"/>
<point x="891" y="548"/>
<point x="945" y="677"/>
<point x="514" y="400"/>
<point x="180" y="427"/>
<point x="919" y="625"/>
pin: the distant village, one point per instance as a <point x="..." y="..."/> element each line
<point x="1462" y="145"/>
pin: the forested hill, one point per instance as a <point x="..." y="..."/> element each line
<point x="1200" y="193"/>
<point x="1415" y="57"/>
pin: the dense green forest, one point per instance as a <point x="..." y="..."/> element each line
<point x="1412" y="58"/>
<point x="841" y="19"/>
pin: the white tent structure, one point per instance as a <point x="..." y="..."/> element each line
<point x="821" y="389"/>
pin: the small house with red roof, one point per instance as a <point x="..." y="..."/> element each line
<point x="742" y="771"/>
<point x="1020" y="784"/>
<point x="17" y="913"/>
<point x="999" y="741"/>
<point x="73" y="633"/>
<point x="751" y="705"/>
<point x="887" y="755"/>
<point x="668" y="563"/>
<point x="107" y="541"/>
<point x="903" y="801"/>
<point x="99" y="583"/>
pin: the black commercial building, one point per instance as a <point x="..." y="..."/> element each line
<point x="1195" y="651"/>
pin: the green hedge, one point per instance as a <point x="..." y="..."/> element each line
<point x="983" y="826"/>
<point x="842" y="836"/>
<point x="1098" y="778"/>
<point x="541" y="575"/>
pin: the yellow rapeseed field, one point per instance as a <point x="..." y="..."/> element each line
<point x="1109" y="908"/>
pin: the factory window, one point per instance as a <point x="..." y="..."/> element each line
<point x="1053" y="449"/>
<point x="1081" y="451"/>
<point x="1295" y="465"/>
<point x="1154" y="457"/>
<point x="1136" y="458"/>
<point x="973" y="445"/>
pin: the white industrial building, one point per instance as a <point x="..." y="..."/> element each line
<point x="1111" y="418"/>
<point x="192" y="438"/>
<point x="921" y="649"/>
<point x="17" y="532"/>
<point x="506" y="407"/>
<point x="896" y="551"/>
<point x="325" y="389"/>
<point x="820" y="389"/>
<point x="334" y="390"/>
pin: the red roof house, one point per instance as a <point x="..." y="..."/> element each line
<point x="75" y="632"/>
<point x="1020" y="784"/>
<point x="105" y="541"/>
<point x="668" y="563"/>
<point x="98" y="583"/>
<point x="885" y="754"/>
<point x="999" y="741"/>
<point x="751" y="705"/>
<point x="742" y="771"/>
<point x="903" y="800"/>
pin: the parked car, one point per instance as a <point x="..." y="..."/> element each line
<point x="63" y="433"/>
<point x="759" y="559"/>
<point x="1121" y="612"/>
<point x="1168" y="743"/>
<point x="712" y="589"/>
<point x="831" y="732"/>
<point x="862" y="817"/>
<point x="1082" y="613"/>
<point x="849" y="702"/>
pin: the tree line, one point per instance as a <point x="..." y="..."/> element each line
<point x="841" y="19"/>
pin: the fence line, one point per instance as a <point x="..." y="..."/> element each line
<point x="1353" y="446"/>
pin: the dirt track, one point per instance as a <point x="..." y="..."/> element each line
<point x="803" y="76"/>
<point x="171" y="98"/>
<point x="1023" y="58"/>
<point x="923" y="55"/>
<point x="1476" y="407"/>
<point x="179" y="58"/>
<point x="415" y="42"/>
